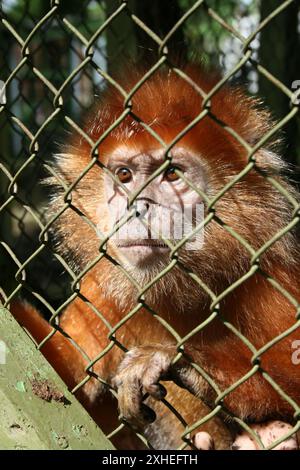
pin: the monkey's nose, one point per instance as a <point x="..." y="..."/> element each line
<point x="142" y="207"/>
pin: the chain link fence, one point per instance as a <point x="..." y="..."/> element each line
<point x="55" y="57"/>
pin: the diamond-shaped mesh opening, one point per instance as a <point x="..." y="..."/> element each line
<point x="55" y="61"/>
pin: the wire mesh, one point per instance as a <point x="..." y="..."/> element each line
<point x="53" y="63"/>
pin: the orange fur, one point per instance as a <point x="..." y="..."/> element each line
<point x="252" y="207"/>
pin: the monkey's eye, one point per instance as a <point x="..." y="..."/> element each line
<point x="171" y="175"/>
<point x="124" y="175"/>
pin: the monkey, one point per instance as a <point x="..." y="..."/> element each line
<point x="173" y="149"/>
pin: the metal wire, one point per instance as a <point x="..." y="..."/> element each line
<point x="34" y="147"/>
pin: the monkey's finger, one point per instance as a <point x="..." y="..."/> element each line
<point x="145" y="416"/>
<point x="156" y="370"/>
<point x="203" y="441"/>
<point x="272" y="431"/>
<point x="288" y="444"/>
<point x="147" y="413"/>
<point x="157" y="391"/>
<point x="185" y="376"/>
<point x="129" y="397"/>
<point x="132" y="410"/>
<point x="151" y="385"/>
<point x="244" y="442"/>
<point x="269" y="433"/>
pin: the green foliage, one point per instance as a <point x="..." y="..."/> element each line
<point x="203" y="33"/>
<point x="85" y="16"/>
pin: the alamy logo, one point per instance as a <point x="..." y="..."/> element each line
<point x="296" y="87"/>
<point x="153" y="221"/>
<point x="2" y="352"/>
<point x="2" y="92"/>
<point x="296" y="353"/>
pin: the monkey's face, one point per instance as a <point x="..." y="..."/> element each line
<point x="166" y="208"/>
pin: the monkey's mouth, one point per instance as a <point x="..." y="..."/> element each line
<point x="141" y="253"/>
<point x="142" y="244"/>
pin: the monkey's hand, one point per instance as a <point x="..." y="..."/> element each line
<point x="268" y="433"/>
<point x="139" y="375"/>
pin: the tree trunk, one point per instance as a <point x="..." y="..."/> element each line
<point x="279" y="54"/>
